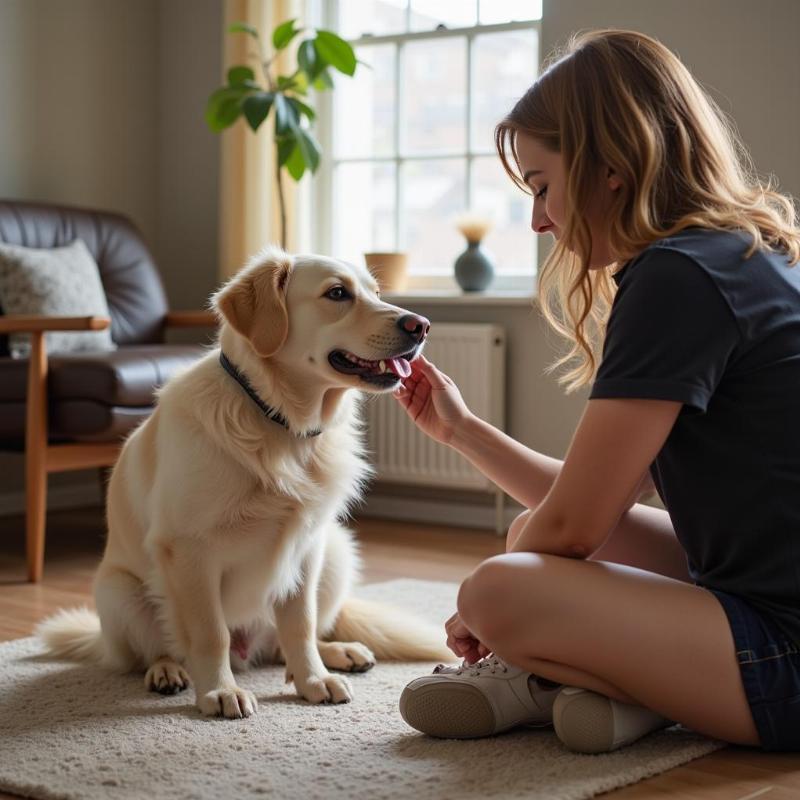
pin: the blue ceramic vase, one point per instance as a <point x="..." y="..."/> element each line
<point x="474" y="269"/>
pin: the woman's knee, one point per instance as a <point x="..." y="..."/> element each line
<point x="487" y="598"/>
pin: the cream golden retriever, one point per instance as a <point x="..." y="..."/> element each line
<point x="225" y="546"/>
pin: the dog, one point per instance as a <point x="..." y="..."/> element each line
<point x="226" y="546"/>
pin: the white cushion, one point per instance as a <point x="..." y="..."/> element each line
<point x="54" y="282"/>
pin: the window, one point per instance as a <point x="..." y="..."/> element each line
<point x="410" y="138"/>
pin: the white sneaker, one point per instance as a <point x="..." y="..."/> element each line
<point x="588" y="722"/>
<point x="481" y="699"/>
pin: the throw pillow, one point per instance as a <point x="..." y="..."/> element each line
<point x="54" y="282"/>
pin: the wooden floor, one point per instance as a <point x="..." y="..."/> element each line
<point x="391" y="550"/>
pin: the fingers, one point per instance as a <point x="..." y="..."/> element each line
<point x="413" y="395"/>
<point x="461" y="641"/>
<point x="421" y="366"/>
<point x="472" y="652"/>
<point x="456" y="629"/>
<point x="464" y="648"/>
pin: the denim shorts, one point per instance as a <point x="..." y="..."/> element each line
<point x="770" y="666"/>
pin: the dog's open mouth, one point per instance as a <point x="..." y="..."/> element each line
<point x="384" y="372"/>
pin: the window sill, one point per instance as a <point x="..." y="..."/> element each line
<point x="460" y="298"/>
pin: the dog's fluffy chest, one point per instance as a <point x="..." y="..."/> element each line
<point x="282" y="519"/>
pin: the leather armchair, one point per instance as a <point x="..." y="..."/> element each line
<point x="73" y="411"/>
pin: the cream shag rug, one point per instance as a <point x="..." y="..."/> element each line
<point x="78" y="732"/>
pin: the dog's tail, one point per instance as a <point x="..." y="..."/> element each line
<point x="73" y="634"/>
<point x="391" y="634"/>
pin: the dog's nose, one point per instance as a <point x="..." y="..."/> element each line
<point x="415" y="326"/>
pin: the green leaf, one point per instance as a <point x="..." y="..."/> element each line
<point x="336" y="52"/>
<point x="285" y="115"/>
<point x="323" y="81"/>
<point x="285" y="146"/>
<point x="284" y="34"/>
<point x="302" y="108"/>
<point x="296" y="163"/>
<point x="243" y="27"/>
<point x="238" y="75"/>
<point x="312" y="150"/>
<point x="308" y="60"/>
<point x="224" y="107"/>
<point x="256" y="108"/>
<point x="285" y="83"/>
<point x="300" y="82"/>
<point x="309" y="149"/>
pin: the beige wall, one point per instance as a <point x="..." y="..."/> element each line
<point x="79" y="100"/>
<point x="190" y="35"/>
<point x="747" y="54"/>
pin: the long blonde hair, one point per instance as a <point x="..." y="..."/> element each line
<point x="623" y="100"/>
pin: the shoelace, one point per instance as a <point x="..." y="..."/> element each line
<point x="491" y="663"/>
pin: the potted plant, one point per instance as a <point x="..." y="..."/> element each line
<point x="296" y="149"/>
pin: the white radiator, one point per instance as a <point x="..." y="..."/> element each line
<point x="473" y="355"/>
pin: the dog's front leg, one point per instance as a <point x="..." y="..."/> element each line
<point x="194" y="610"/>
<point x="296" y="622"/>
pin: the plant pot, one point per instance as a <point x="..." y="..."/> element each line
<point x="389" y="269"/>
<point x="474" y="270"/>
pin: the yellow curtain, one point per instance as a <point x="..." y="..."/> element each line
<point x="249" y="206"/>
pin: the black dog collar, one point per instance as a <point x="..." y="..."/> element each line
<point x="269" y="413"/>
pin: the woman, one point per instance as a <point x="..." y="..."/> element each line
<point x="606" y="617"/>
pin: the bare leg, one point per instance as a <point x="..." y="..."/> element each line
<point x="643" y="538"/>
<point x="633" y="635"/>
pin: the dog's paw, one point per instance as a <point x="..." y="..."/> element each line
<point x="166" y="677"/>
<point x="234" y="703"/>
<point x="325" y="689"/>
<point x="346" y="656"/>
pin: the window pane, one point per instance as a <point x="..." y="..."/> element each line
<point x="363" y="210"/>
<point x="426" y="15"/>
<point x="503" y="67"/>
<point x="364" y="115"/>
<point x="511" y="241"/>
<point x="433" y="194"/>
<point x="493" y="11"/>
<point x="357" y="17"/>
<point x="434" y="97"/>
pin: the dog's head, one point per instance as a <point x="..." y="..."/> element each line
<point x="321" y="318"/>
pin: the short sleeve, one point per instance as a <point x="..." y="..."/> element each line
<point x="670" y="333"/>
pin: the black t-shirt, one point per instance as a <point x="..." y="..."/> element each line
<point x="694" y="322"/>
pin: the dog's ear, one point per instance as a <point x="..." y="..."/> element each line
<point x="254" y="303"/>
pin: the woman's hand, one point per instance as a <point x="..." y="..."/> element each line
<point x="432" y="401"/>
<point x="461" y="641"/>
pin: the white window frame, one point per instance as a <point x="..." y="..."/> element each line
<point x="325" y="15"/>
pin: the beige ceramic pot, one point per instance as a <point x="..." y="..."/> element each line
<point x="389" y="269"/>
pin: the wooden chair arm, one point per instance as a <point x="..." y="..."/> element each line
<point x="190" y="319"/>
<point x="32" y="323"/>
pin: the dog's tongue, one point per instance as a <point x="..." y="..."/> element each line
<point x="399" y="366"/>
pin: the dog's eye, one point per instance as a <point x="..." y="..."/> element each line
<point x="337" y="293"/>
